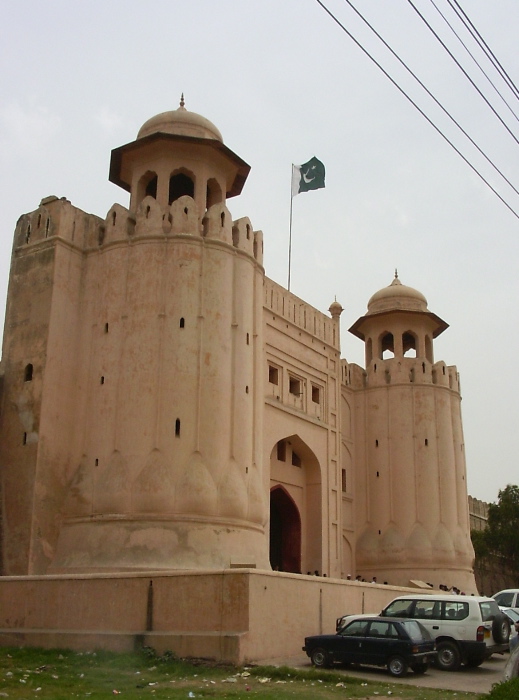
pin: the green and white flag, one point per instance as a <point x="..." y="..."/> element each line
<point x="309" y="176"/>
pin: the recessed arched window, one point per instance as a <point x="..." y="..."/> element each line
<point x="179" y="186"/>
<point x="182" y="322"/>
<point x="27" y="374"/>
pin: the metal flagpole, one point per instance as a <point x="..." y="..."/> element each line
<point x="290" y="229"/>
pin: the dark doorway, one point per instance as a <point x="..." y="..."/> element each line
<point x="285" y="533"/>
<point x="180" y="185"/>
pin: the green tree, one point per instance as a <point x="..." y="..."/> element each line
<point x="500" y="539"/>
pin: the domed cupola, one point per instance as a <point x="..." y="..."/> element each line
<point x="178" y="153"/>
<point x="398" y="320"/>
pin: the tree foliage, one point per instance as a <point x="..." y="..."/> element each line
<point x="501" y="536"/>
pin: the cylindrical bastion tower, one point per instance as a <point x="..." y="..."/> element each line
<point x="171" y="475"/>
<point x="411" y="497"/>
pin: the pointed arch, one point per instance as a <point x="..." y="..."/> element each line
<point x="295" y="468"/>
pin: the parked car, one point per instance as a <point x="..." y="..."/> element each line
<point x="467" y="629"/>
<point x="375" y="641"/>
<point x="509" y="598"/>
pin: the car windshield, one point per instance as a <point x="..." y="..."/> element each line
<point x="398" y="608"/>
<point x="416" y="631"/>
<point x="506" y="600"/>
<point x="489" y="609"/>
<point x="511" y="613"/>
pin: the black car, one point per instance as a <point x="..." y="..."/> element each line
<point x="397" y="644"/>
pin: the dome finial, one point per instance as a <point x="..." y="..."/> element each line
<point x="396" y="273"/>
<point x="182" y="103"/>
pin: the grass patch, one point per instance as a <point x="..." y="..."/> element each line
<point x="59" y="674"/>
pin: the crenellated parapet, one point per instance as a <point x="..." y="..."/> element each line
<point x="398" y="370"/>
<point x="58" y="218"/>
<point x="300" y="314"/>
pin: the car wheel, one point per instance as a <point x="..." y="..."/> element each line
<point x="448" y="658"/>
<point x="420" y="668"/>
<point x="320" y="658"/>
<point x="500" y="629"/>
<point x="397" y="666"/>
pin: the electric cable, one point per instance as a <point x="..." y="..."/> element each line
<point x="432" y="96"/>
<point x="458" y="37"/>
<point x="464" y="72"/>
<point x="483" y="45"/>
<point x="402" y="91"/>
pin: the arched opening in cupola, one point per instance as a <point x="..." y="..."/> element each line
<point x="214" y="193"/>
<point x="387" y="346"/>
<point x="147" y="186"/>
<point x="409" y="344"/>
<point x="180" y="184"/>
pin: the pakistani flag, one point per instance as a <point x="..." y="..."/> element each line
<point x="309" y="176"/>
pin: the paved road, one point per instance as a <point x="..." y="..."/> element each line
<point x="471" y="680"/>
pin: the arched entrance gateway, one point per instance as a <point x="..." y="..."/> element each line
<point x="295" y="508"/>
<point x="285" y="532"/>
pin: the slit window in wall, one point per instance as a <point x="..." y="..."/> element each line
<point x="47" y="229"/>
<point x="248" y="339"/>
<point x="177" y="427"/>
<point x="97" y="462"/>
<point x="426" y="442"/>
<point x="102" y="380"/>
<point x="27" y="373"/>
<point x="25" y="438"/>
<point x="294" y="386"/>
<point x="282" y="451"/>
<point x="114" y="217"/>
<point x="316" y="394"/>
<point x="106" y="327"/>
<point x="296" y="459"/>
<point x="376" y="443"/>
<point x="343" y="480"/>
<point x="182" y="322"/>
<point x="28" y="236"/>
<point x="273" y="375"/>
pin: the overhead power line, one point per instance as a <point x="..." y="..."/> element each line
<point x="483" y="45"/>
<point x="424" y="87"/>
<point x="416" y="106"/>
<point x="458" y="37"/>
<point x="495" y="112"/>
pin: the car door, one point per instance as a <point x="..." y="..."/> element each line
<point x="350" y="642"/>
<point x="381" y="642"/>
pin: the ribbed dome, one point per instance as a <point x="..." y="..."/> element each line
<point x="180" y="122"/>
<point x="397" y="297"/>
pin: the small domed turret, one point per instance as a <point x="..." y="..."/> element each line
<point x="335" y="309"/>
<point x="180" y="122"/>
<point x="397" y="297"/>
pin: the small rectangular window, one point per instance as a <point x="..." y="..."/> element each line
<point x="343" y="480"/>
<point x="273" y="375"/>
<point x="296" y="459"/>
<point x="294" y="386"/>
<point x="282" y="451"/>
<point x="316" y="394"/>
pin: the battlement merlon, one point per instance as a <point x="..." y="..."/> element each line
<point x="299" y="313"/>
<point x="57" y="217"/>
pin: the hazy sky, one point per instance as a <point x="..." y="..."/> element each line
<point x="283" y="83"/>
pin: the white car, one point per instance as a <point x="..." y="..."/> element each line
<point x="509" y="598"/>
<point x="467" y="629"/>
